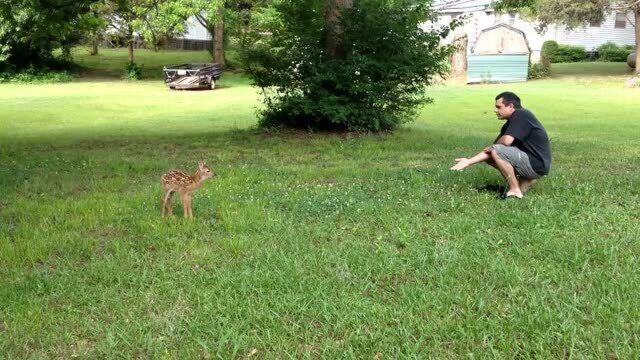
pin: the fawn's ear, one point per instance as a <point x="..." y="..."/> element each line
<point x="201" y="164"/>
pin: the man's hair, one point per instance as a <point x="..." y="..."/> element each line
<point x="509" y="98"/>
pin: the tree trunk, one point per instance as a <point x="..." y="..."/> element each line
<point x="332" y="10"/>
<point x="94" y="47"/>
<point x="155" y="42"/>
<point x="458" y="59"/>
<point x="218" y="38"/>
<point x="637" y="13"/>
<point x="130" y="51"/>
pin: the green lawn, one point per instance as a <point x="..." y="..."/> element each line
<point x="110" y="63"/>
<point x="586" y="69"/>
<point x="314" y="245"/>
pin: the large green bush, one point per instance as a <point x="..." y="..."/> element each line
<point x="543" y="68"/>
<point x="548" y="51"/>
<point x="610" y="51"/>
<point x="377" y="84"/>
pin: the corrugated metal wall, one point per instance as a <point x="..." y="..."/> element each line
<point x="497" y="68"/>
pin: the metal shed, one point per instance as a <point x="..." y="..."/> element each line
<point x="501" y="54"/>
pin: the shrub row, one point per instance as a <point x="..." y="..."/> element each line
<point x="558" y="53"/>
<point x="35" y="76"/>
<point x="611" y="52"/>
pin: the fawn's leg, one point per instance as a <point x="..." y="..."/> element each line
<point x="166" y="203"/>
<point x="186" y="203"/>
<point x="183" y="199"/>
<point x="189" y="209"/>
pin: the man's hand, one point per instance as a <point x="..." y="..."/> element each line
<point x="461" y="164"/>
<point x="487" y="150"/>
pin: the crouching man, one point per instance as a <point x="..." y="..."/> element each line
<point x="521" y="152"/>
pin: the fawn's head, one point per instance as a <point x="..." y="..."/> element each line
<point x="204" y="171"/>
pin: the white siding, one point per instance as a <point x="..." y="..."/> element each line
<point x="592" y="37"/>
<point x="480" y="16"/>
<point x="195" y="30"/>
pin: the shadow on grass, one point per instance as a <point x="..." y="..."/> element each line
<point x="235" y="137"/>
<point x="92" y="72"/>
<point x="498" y="189"/>
<point x="106" y="74"/>
<point x="88" y="75"/>
<point x="138" y="153"/>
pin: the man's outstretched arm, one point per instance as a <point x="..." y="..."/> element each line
<point x="463" y="163"/>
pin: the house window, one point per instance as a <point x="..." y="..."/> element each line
<point x="455" y="15"/>
<point x="512" y="18"/>
<point x="621" y="21"/>
<point x="595" y="23"/>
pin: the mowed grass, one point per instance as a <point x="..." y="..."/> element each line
<point x="110" y="63"/>
<point x="313" y="245"/>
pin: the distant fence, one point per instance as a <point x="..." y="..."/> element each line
<point x="173" y="44"/>
<point x="189" y="44"/>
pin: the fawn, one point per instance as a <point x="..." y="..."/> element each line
<point x="185" y="185"/>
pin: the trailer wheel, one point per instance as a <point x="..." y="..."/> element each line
<point x="212" y="85"/>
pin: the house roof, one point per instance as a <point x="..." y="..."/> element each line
<point x="458" y="6"/>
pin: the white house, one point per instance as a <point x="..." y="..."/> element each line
<point x="194" y="30"/>
<point x="617" y="27"/>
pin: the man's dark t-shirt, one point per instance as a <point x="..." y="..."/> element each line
<point x="530" y="137"/>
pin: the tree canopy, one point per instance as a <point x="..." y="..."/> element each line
<point x="346" y="65"/>
<point x="569" y="13"/>
<point x="30" y="29"/>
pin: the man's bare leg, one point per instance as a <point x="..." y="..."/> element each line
<point x="525" y="184"/>
<point x="509" y="174"/>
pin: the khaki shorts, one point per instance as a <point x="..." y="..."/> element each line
<point x="518" y="159"/>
